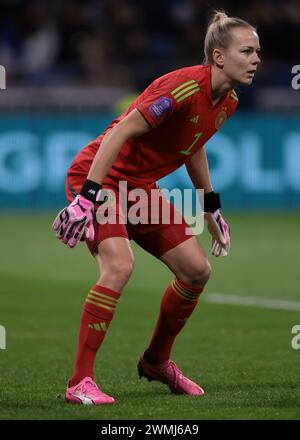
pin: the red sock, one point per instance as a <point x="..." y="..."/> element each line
<point x="97" y="313"/>
<point x="176" y="306"/>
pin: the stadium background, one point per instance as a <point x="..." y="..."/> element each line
<point x="72" y="66"/>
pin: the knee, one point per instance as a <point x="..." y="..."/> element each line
<point x="122" y="269"/>
<point x="117" y="272"/>
<point x="197" y="275"/>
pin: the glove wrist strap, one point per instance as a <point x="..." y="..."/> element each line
<point x="212" y="202"/>
<point x="91" y="190"/>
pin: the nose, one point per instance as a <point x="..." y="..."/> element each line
<point x="257" y="60"/>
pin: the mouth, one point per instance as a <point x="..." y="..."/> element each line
<point x="251" y="72"/>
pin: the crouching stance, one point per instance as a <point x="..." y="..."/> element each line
<point x="164" y="128"/>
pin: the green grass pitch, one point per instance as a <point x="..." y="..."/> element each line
<point x="242" y="356"/>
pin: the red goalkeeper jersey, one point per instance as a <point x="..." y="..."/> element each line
<point x="178" y="106"/>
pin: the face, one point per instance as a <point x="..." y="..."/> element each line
<point x="240" y="60"/>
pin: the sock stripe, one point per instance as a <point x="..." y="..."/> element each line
<point x="182" y="294"/>
<point x="103" y="297"/>
<point x="187" y="292"/>
<point x="101" y="301"/>
<point x="188" y="288"/>
<point x="100" y="305"/>
<point x="105" y="291"/>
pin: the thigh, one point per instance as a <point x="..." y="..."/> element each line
<point x="163" y="239"/>
<point x="114" y="252"/>
<point x="165" y="231"/>
<point x="113" y="227"/>
<point x="188" y="261"/>
<point x="115" y="263"/>
<point x="184" y="256"/>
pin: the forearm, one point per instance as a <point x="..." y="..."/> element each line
<point x="107" y="154"/>
<point x="132" y="126"/>
<point x="197" y="167"/>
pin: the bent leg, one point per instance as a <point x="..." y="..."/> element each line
<point x="189" y="263"/>
<point x="115" y="262"/>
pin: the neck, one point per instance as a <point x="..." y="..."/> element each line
<point x="220" y="84"/>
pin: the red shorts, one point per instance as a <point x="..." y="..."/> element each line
<point x="157" y="233"/>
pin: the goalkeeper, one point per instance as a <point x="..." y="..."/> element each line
<point x="164" y="128"/>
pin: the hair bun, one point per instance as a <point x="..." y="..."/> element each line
<point x="219" y="17"/>
<point x="218" y="34"/>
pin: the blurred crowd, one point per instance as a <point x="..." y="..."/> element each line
<point x="129" y="42"/>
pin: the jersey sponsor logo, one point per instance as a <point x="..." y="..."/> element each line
<point x="161" y="106"/>
<point x="195" y="119"/>
<point x="220" y="119"/>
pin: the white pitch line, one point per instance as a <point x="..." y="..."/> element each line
<point x="248" y="301"/>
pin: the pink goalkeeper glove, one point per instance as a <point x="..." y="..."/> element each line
<point x="73" y="220"/>
<point x="216" y="225"/>
<point x="220" y="233"/>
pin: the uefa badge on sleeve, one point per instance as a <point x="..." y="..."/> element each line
<point x="161" y="106"/>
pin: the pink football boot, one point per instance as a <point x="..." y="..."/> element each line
<point x="169" y="373"/>
<point x="86" y="392"/>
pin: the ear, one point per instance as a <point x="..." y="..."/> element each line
<point x="218" y="57"/>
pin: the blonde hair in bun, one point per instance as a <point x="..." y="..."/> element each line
<point x="218" y="34"/>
